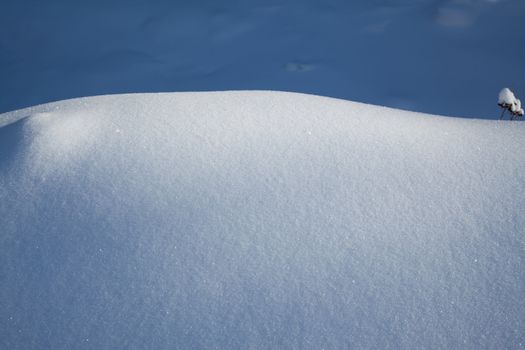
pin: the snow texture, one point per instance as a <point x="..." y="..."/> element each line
<point x="258" y="220"/>
<point x="516" y="106"/>
<point x="446" y="57"/>
<point x="506" y="98"/>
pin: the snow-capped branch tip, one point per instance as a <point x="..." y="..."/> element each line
<point x="516" y="106"/>
<point x="506" y="98"/>
<point x="516" y="109"/>
<point x="508" y="101"/>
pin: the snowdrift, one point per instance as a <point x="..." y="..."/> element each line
<point x="258" y="220"/>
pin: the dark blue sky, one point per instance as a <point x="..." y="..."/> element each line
<point x="447" y="57"/>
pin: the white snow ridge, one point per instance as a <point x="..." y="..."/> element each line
<point x="258" y="220"/>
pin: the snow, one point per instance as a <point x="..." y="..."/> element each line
<point x="258" y="220"/>
<point x="506" y="97"/>
<point x="448" y="57"/>
<point x="516" y="106"/>
<point x="508" y="101"/>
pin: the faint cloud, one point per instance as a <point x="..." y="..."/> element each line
<point x="453" y="17"/>
<point x="298" y="67"/>
<point x="462" y="13"/>
<point x="379" y="27"/>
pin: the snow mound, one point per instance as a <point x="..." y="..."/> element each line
<point x="258" y="220"/>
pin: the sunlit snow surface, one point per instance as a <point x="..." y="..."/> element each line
<point x="258" y="220"/>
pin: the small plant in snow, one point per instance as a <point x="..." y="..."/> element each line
<point x="508" y="102"/>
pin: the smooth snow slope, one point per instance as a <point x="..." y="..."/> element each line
<point x="258" y="220"/>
